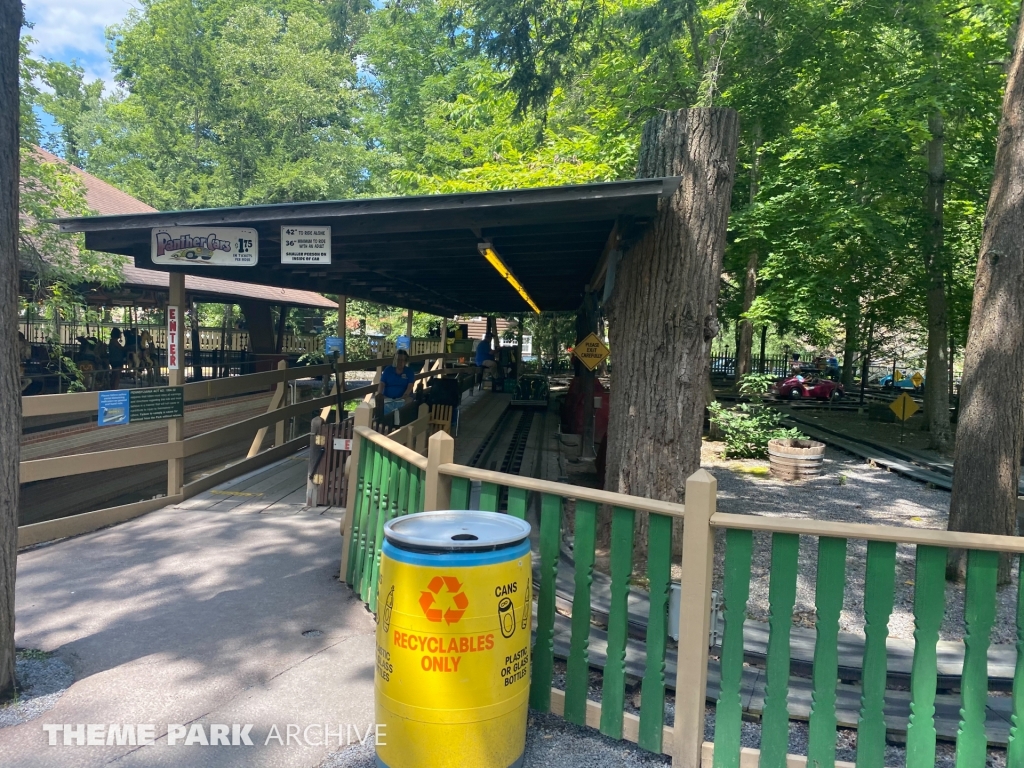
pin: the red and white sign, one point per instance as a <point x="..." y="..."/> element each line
<point x="343" y="444"/>
<point x="173" y="337"/>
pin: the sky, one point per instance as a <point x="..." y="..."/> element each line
<point x="68" y="30"/>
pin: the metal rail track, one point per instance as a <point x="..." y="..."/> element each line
<point x="514" y="435"/>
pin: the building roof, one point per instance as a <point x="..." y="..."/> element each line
<point x="108" y="200"/>
<point x="422" y="252"/>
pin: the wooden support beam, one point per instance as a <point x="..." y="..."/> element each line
<point x="175" y="378"/>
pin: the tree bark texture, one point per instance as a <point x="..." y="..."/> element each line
<point x="666" y="293"/>
<point x="745" y="343"/>
<point x="936" y="394"/>
<point x="10" y="391"/>
<point x="990" y="432"/>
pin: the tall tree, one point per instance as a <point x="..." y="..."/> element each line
<point x="226" y="104"/>
<point x="666" y="290"/>
<point x="990" y="432"/>
<point x="10" y="391"/>
<point x="68" y="100"/>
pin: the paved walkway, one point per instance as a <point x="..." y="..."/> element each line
<point x="198" y="616"/>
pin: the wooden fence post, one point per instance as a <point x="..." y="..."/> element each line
<point x="361" y="418"/>
<point x="694" y="616"/>
<point x="418" y="442"/>
<point x="276" y="401"/>
<point x="279" y="396"/>
<point x="314" y="461"/>
<point x="437" y="489"/>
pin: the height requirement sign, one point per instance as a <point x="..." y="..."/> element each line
<point x="304" y="244"/>
<point x="209" y="246"/>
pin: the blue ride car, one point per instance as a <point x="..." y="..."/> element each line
<point x="905" y="383"/>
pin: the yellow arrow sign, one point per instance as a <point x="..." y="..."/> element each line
<point x="904" y="407"/>
<point x="591" y="351"/>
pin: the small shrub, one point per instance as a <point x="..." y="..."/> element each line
<point x="747" y="428"/>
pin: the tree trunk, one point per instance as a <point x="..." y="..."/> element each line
<point x="666" y="292"/>
<point x="745" y="342"/>
<point x="936" y="394"/>
<point x="990" y="433"/>
<point x="852" y="325"/>
<point x="10" y="391"/>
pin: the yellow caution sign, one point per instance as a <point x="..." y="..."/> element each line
<point x="591" y="351"/>
<point x="453" y="653"/>
<point x="917" y="378"/>
<point x="904" y="407"/>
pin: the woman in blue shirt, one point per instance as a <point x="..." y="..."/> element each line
<point x="396" y="382"/>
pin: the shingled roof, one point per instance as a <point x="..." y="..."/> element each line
<point x="108" y="200"/>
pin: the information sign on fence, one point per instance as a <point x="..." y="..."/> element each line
<point x="113" y="410"/>
<point x="334" y="344"/>
<point x="403" y="342"/>
<point x="157" y="404"/>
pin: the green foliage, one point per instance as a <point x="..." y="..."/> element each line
<point x="747" y="428"/>
<point x="55" y="265"/>
<point x="251" y="101"/>
<point x="228" y="104"/>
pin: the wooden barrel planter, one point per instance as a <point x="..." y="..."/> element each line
<point x="795" y="459"/>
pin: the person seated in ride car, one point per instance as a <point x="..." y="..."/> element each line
<point x="485" y="357"/>
<point x="396" y="382"/>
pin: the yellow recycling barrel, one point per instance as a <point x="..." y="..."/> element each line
<point x="453" y="641"/>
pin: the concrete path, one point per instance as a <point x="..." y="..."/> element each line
<point x="194" y="616"/>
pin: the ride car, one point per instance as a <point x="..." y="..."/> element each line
<point x="807" y="388"/>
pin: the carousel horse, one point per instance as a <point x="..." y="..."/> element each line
<point x="93" y="361"/>
<point x="140" y="354"/>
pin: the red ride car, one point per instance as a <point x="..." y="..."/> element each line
<point x="800" y="388"/>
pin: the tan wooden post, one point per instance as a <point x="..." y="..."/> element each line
<point x="362" y="418"/>
<point x="444" y="336"/>
<point x="279" y="396"/>
<point x="437" y="490"/>
<point x="408" y="328"/>
<point x="175" y="378"/>
<point x="311" y="484"/>
<point x="276" y="401"/>
<point x="694" y="616"/>
<point x="419" y="441"/>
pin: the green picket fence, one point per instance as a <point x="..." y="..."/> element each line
<point x="389" y="483"/>
<point x="393" y="480"/>
<point x="651" y="723"/>
<point x="879" y="596"/>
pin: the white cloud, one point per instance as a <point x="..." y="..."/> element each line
<point x="67" y="30"/>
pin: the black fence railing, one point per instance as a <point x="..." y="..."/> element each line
<point x="724" y="365"/>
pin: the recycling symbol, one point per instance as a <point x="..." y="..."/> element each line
<point x="451" y="607"/>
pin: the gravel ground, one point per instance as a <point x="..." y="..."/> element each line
<point x="43" y="679"/>
<point x="550" y="740"/>
<point x="750" y="734"/>
<point x="848" y="490"/>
